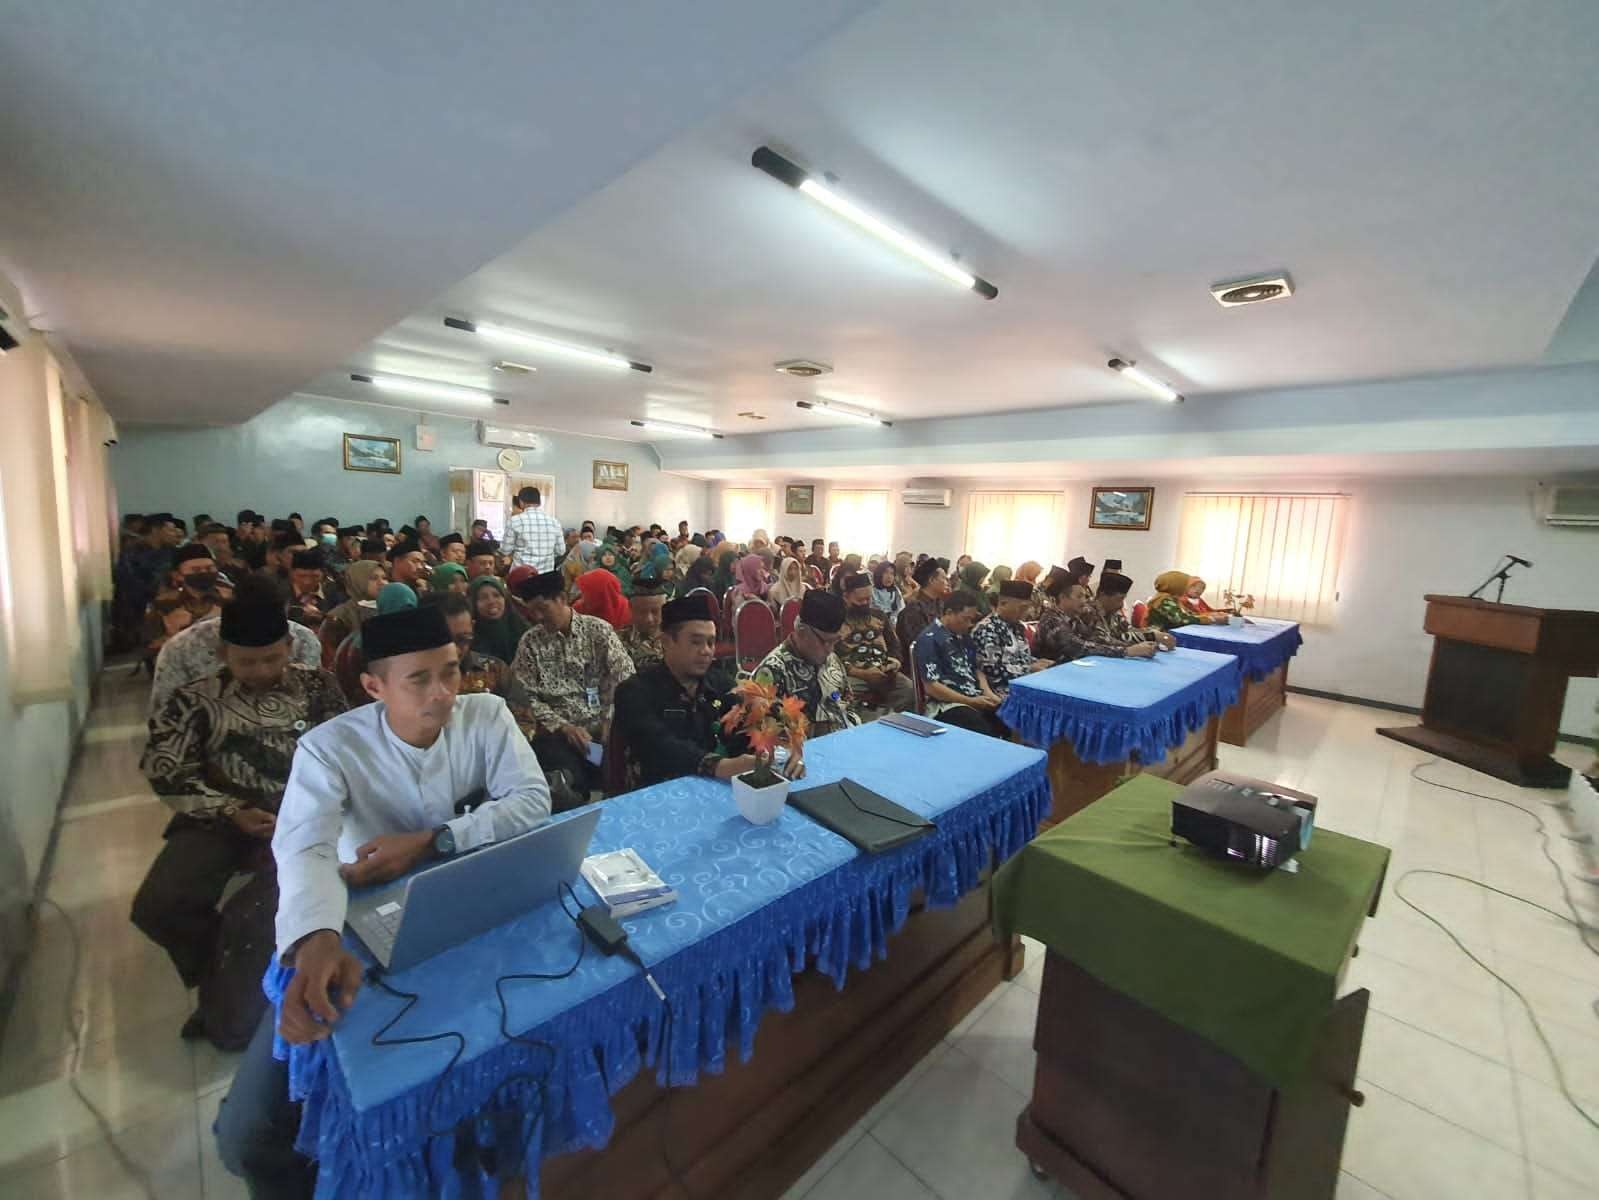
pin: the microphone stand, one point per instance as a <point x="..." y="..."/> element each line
<point x="1502" y="574"/>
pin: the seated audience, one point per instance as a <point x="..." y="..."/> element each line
<point x="751" y="583"/>
<point x="347" y="548"/>
<point x="790" y="583"/>
<point x="669" y="715"/>
<point x="819" y="560"/>
<point x="611" y="558"/>
<point x="1079" y="570"/>
<point x="452" y="549"/>
<point x="1104" y="622"/>
<point x="481" y="560"/>
<point x="932" y="585"/>
<point x="568" y="665"/>
<point x="1000" y="574"/>
<point x="285" y="544"/>
<point x="1061" y="627"/>
<point x="349" y="660"/>
<point x="874" y="672"/>
<point x="804" y="664"/>
<point x="974" y="579"/>
<point x="408" y="565"/>
<point x="957" y="690"/>
<point x="1002" y="649"/>
<point x="886" y="596"/>
<point x="497" y="626"/>
<point x="192" y="594"/>
<point x="216" y="539"/>
<point x="479" y="672"/>
<point x="642" y="637"/>
<point x="701" y="575"/>
<point x="196" y="651"/>
<point x="1028" y="573"/>
<point x="361" y="580"/>
<point x="342" y="804"/>
<point x="600" y="595"/>
<point x="448" y="577"/>
<point x="311" y="595"/>
<point x="375" y="549"/>
<point x="1166" y="609"/>
<point x="425" y="536"/>
<point x="219" y="753"/>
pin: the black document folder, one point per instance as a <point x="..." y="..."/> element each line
<point x="872" y="822"/>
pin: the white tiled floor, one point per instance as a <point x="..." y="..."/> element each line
<point x="1460" y="1096"/>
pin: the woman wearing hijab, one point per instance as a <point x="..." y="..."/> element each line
<point x="602" y="597"/>
<point x="658" y="566"/>
<point x="886" y="598"/>
<point x="790" y="583"/>
<point x="349" y="663"/>
<point x="1000" y="574"/>
<point x="1194" y="598"/>
<point x="701" y="573"/>
<point x="1029" y="572"/>
<point x="496" y="625"/>
<point x="1166" y="609"/>
<point x="726" y="561"/>
<point x="610" y="559"/>
<point x="362" y="579"/>
<point x="687" y="557"/>
<point x="448" y="577"/>
<point x="972" y="576"/>
<point x="751" y="581"/>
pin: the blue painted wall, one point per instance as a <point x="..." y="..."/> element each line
<point x="291" y="458"/>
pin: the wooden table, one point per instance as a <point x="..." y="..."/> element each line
<point x="1258" y="701"/>
<point x="1264" y="647"/>
<point x="1075" y="784"/>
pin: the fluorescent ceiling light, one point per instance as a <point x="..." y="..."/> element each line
<point x="674" y="427"/>
<point x="784" y="171"/>
<point x="426" y="388"/>
<point x="848" y="411"/>
<point x="534" y="341"/>
<point x="1145" y="380"/>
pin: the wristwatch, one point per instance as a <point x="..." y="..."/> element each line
<point x="443" y="841"/>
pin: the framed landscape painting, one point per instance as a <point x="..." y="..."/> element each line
<point x="1122" y="508"/>
<point x="610" y="476"/>
<point x="365" y="453"/>
<point x="799" y="499"/>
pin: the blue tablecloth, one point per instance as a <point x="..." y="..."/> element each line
<point x="1110" y="707"/>
<point x="1260" y="647"/>
<point x="757" y="904"/>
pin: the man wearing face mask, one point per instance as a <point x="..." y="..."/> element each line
<point x="874" y="672"/>
<point x="219" y="753"/>
<point x="192" y="594"/>
<point x="804" y="664"/>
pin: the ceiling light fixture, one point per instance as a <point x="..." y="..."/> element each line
<point x="535" y="341"/>
<point x="514" y="368"/>
<point x="781" y="169"/>
<point x="1145" y="380"/>
<point x="674" y="427"/>
<point x="426" y="388"/>
<point x="848" y="411"/>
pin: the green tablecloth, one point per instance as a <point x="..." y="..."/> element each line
<point x="1247" y="959"/>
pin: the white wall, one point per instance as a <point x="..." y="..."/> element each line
<point x="1406" y="537"/>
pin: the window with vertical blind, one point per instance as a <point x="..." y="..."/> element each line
<point x="1015" y="527"/>
<point x="1284" y="550"/>
<point x="744" y="510"/>
<point x="858" y="520"/>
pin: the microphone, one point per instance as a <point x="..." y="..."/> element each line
<point x="1521" y="562"/>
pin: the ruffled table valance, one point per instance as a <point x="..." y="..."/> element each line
<point x="1260" y="647"/>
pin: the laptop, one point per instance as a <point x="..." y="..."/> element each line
<point x="443" y="905"/>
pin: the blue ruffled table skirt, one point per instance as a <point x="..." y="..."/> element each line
<point x="1260" y="647"/>
<point x="757" y="905"/>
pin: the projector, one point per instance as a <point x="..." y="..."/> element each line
<point x="1247" y="820"/>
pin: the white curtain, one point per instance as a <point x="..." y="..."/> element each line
<point x="1284" y="550"/>
<point x="859" y="522"/>
<point x="1015" y="527"/>
<point x="744" y="510"/>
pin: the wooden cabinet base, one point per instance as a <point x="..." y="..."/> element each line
<point x="1258" y="701"/>
<point x="1127" y="1105"/>
<point x="1075" y="784"/>
<point x="750" y="1132"/>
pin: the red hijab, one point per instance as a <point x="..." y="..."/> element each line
<point x="602" y="597"/>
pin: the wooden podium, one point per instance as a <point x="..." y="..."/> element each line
<point x="1497" y="686"/>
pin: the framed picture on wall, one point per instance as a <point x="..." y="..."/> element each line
<point x="799" y="499"/>
<point x="1122" y="508"/>
<point x="377" y="454"/>
<point x="610" y="476"/>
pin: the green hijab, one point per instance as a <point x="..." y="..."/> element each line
<point x="496" y="638"/>
<point x="617" y="566"/>
<point x="444" y="574"/>
<point x="972" y="576"/>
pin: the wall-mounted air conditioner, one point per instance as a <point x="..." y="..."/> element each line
<point x="926" y="497"/>
<point x="1569" y="504"/>
<point x="500" y="435"/>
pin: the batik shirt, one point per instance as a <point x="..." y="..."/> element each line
<point x="916" y="616"/>
<point x="864" y="645"/>
<point x="1116" y="629"/>
<point x="950" y="659"/>
<point x="214" y="743"/>
<point x="1061" y="639"/>
<point x="1002" y="651"/>
<point x="197" y="652"/>
<point x="570" y="678"/>
<point x="641" y="649"/>
<point x="169" y="600"/>
<point x="824" y="689"/>
<point x="1167" y="613"/>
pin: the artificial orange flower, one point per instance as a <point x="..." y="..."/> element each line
<point x="764" y="738"/>
<point x="793" y="710"/>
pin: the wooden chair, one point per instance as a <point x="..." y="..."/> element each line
<point x="754" y="633"/>
<point x="789" y="616"/>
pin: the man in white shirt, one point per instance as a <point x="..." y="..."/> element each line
<point x="533" y="537"/>
<point x="371" y="796"/>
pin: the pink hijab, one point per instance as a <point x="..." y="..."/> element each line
<point x="752" y="575"/>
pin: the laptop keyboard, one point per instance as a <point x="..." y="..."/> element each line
<point x="379" y="927"/>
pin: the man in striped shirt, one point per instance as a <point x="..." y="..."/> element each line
<point x="532" y="536"/>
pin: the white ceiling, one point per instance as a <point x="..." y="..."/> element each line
<point x="1426" y="171"/>
<point x="218" y="210"/>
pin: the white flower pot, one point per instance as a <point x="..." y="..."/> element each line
<point x="759" y="806"/>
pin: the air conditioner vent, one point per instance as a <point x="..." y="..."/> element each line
<point x="804" y="368"/>
<point x="1252" y="291"/>
<point x="1570" y="505"/>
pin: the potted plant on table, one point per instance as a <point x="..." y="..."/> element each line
<point x="776" y="731"/>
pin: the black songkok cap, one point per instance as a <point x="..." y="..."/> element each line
<point x="647" y="587"/>
<point x="1113" y="565"/>
<point x="254" y="621"/>
<point x="401" y="549"/>
<point x="479" y="548"/>
<point x="1081" y="568"/>
<point x="924" y="571"/>
<point x="823" y="611"/>
<point x="541" y="587"/>
<point x="687" y="608"/>
<point x="1016" y="589"/>
<point x="191" y="551"/>
<point x="405" y="631"/>
<point x="858" y="580"/>
<point x="1112" y="584"/>
<point x="373" y="546"/>
<point x="351" y="531"/>
<point x="287" y="538"/>
<point x="306" y="560"/>
<point x="450" y="539"/>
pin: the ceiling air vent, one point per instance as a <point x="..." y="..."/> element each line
<point x="803" y="367"/>
<point x="1252" y="291"/>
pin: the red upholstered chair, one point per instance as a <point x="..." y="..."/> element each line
<point x="1030" y="629"/>
<point x="754" y="633"/>
<point x="713" y="612"/>
<point x="1140" y="615"/>
<point x="917" y="680"/>
<point x="790" y="615"/>
<point x="724" y="622"/>
<point x="814" y="574"/>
